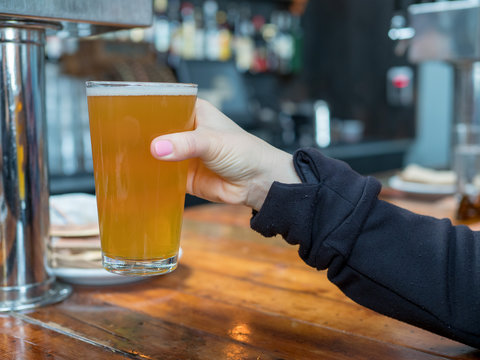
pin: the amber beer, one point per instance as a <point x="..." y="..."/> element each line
<point x="140" y="200"/>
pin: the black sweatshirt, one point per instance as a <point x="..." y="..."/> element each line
<point x="414" y="268"/>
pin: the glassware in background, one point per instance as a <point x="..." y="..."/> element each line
<point x="466" y="164"/>
<point x="69" y="149"/>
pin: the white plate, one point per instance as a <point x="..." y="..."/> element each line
<point x="97" y="276"/>
<point x="93" y="277"/>
<point x="395" y="182"/>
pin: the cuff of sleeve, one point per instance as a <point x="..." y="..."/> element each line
<point x="288" y="210"/>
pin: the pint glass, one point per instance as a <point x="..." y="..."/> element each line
<point x="140" y="199"/>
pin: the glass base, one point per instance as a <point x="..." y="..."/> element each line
<point x="131" y="267"/>
<point x="30" y="296"/>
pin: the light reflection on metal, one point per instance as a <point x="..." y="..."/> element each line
<point x="322" y="124"/>
<point x="401" y="34"/>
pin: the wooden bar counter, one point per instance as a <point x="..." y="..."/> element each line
<point x="235" y="295"/>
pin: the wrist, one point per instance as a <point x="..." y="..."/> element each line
<point x="280" y="169"/>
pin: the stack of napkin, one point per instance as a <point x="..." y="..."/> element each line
<point x="74" y="236"/>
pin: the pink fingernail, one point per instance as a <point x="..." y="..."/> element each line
<point x="163" y="148"/>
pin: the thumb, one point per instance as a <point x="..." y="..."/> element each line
<point x="178" y="146"/>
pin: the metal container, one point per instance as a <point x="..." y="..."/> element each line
<point x="447" y="31"/>
<point x="24" y="210"/>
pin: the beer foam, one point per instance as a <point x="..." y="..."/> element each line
<point x="139" y="89"/>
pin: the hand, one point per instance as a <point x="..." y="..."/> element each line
<point x="227" y="164"/>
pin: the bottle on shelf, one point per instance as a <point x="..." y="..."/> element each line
<point x="188" y="30"/>
<point x="244" y="47"/>
<point x="212" y="43"/>
<point x="161" y="27"/>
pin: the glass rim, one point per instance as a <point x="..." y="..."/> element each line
<point x="91" y="83"/>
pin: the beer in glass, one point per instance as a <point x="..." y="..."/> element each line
<point x="140" y="200"/>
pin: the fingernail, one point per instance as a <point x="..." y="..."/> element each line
<point x="163" y="148"/>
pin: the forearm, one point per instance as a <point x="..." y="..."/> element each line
<point x="414" y="268"/>
<point x="417" y="269"/>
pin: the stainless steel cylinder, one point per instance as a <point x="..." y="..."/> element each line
<point x="467" y="92"/>
<point x="466" y="140"/>
<point x="24" y="210"/>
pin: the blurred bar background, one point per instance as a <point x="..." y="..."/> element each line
<point x="332" y="74"/>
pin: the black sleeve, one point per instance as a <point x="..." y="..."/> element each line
<point x="414" y="268"/>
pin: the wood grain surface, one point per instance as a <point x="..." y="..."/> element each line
<point x="235" y="295"/>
